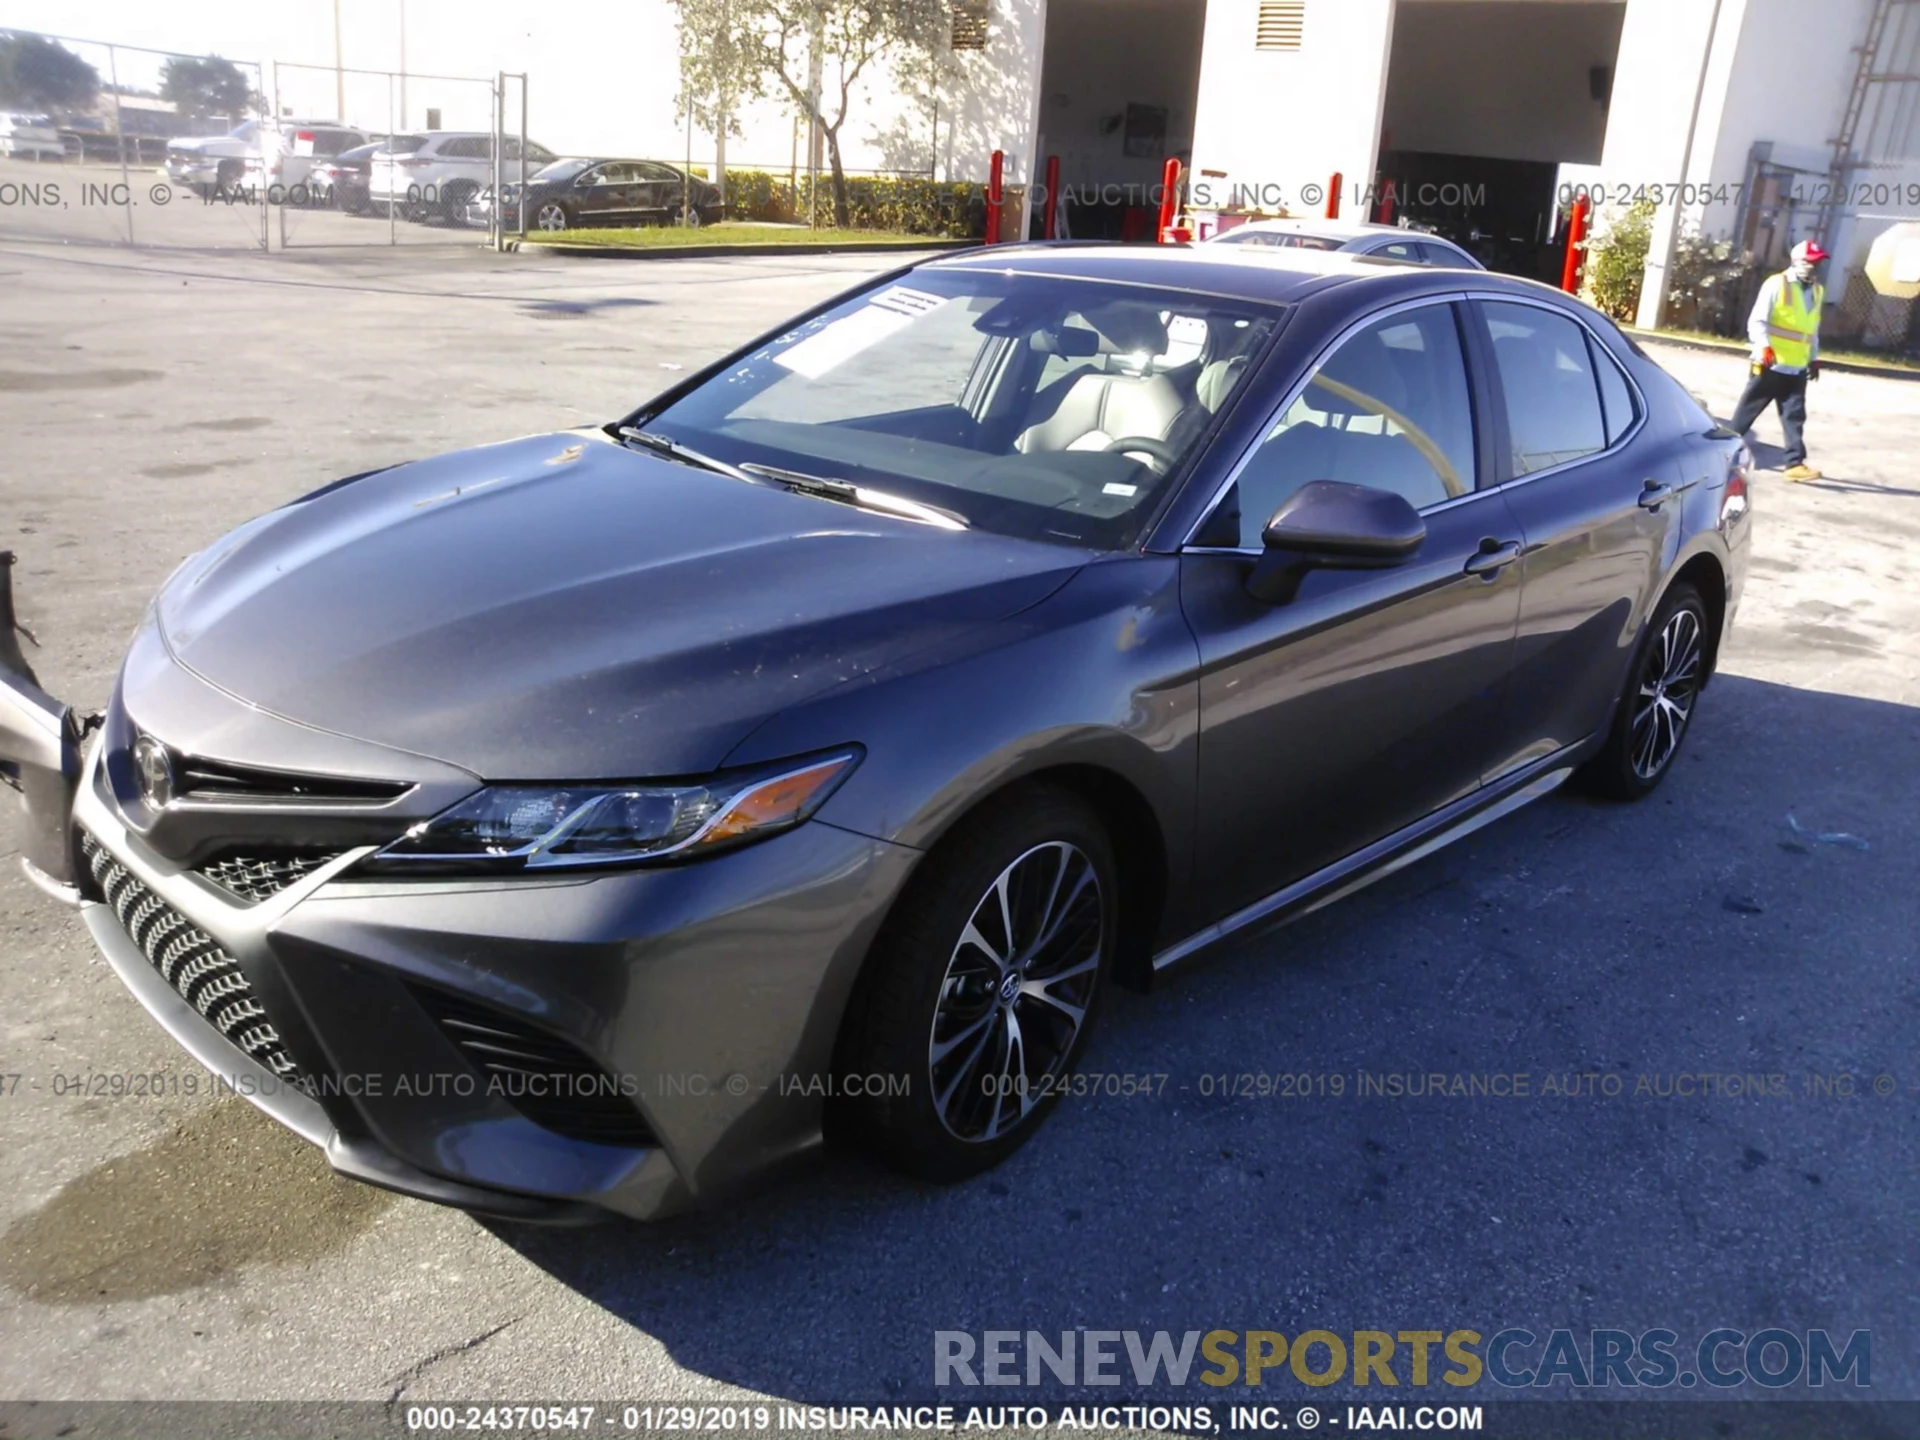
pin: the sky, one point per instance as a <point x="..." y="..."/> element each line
<point x="602" y="72"/>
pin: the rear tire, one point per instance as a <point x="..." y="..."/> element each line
<point x="969" y="1031"/>
<point x="1656" y="708"/>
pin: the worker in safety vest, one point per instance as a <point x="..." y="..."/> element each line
<point x="1784" y="329"/>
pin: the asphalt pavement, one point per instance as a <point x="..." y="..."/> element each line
<point x="173" y="1246"/>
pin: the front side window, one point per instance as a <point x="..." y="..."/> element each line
<point x="1553" y="400"/>
<point x="1389" y="408"/>
<point x="1049" y="408"/>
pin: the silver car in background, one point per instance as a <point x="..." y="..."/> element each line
<point x="1353" y="237"/>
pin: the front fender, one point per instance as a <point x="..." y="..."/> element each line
<point x="1102" y="675"/>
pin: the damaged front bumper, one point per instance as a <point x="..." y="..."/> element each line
<point x="709" y="995"/>
<point x="39" y="755"/>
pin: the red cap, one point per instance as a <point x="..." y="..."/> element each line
<point x="1809" y="251"/>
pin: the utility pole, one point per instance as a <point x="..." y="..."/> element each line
<point x="339" y="70"/>
<point x="403" y="61"/>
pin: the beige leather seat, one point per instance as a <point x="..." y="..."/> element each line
<point x="1124" y="398"/>
<point x="1098" y="409"/>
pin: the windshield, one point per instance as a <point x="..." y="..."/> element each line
<point x="560" y="170"/>
<point x="245" y="131"/>
<point x="1050" y="409"/>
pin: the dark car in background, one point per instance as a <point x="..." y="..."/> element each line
<point x="590" y="822"/>
<point x="583" y="193"/>
<point x="341" y="180"/>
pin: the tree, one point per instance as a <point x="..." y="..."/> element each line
<point x="714" y="82"/>
<point x="210" y="86"/>
<point x="814" y="52"/>
<point x="40" y="73"/>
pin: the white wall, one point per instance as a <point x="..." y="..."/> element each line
<point x="1500" y="78"/>
<point x="1291" y="118"/>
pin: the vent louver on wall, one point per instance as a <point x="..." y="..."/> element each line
<point x="970" y="24"/>
<point x="1281" y="24"/>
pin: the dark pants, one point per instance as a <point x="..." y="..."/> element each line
<point x="1790" y="392"/>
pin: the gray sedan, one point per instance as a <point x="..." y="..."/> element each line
<point x="592" y="823"/>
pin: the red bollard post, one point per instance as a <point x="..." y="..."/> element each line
<point x="1053" y="197"/>
<point x="995" y="196"/>
<point x="1333" y="195"/>
<point x="1385" y="216"/>
<point x="1169" y="200"/>
<point x="1576" y="235"/>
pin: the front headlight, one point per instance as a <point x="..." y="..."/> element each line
<point x="550" y="827"/>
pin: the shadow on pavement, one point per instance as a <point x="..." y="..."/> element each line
<point x="1602" y="952"/>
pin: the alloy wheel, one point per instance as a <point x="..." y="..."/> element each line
<point x="1669" y="684"/>
<point x="1017" y="989"/>
<point x="551" y="217"/>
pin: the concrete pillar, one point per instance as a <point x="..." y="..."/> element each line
<point x="1277" y="121"/>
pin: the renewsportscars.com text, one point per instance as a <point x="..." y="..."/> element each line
<point x="1513" y="1358"/>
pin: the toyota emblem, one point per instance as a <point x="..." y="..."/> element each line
<point x="155" y="768"/>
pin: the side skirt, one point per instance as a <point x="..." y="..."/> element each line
<point x="1383" y="857"/>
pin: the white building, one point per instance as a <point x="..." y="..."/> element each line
<point x="1748" y="112"/>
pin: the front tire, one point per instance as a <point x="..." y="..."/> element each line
<point x="552" y="217"/>
<point x="1656" y="708"/>
<point x="984" y="985"/>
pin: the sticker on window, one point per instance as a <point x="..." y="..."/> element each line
<point x="891" y="310"/>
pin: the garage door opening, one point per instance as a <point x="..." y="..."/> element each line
<point x="1486" y="99"/>
<point x="1118" y="84"/>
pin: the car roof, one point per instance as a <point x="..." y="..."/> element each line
<point x="1255" y="273"/>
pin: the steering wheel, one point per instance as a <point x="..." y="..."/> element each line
<point x="1158" y="450"/>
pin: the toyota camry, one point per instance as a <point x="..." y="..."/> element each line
<point x="592" y="822"/>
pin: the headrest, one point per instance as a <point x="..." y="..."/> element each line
<point x="1129" y="327"/>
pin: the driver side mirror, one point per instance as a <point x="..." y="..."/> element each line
<point x="1332" y="525"/>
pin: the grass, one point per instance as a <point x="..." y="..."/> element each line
<point x="673" y="237"/>
<point x="1887" y="359"/>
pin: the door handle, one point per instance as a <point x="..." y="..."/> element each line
<point x="1494" y="556"/>
<point x="1653" y="495"/>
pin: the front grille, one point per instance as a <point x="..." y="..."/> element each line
<point x="192" y="961"/>
<point x="543" y="1077"/>
<point x="204" y="779"/>
<point x="254" y="878"/>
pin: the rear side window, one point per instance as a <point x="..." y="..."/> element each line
<point x="1616" y="399"/>
<point x="1389" y="409"/>
<point x="1400" y="250"/>
<point x="1546" y="374"/>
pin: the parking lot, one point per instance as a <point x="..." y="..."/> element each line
<point x="182" y="1247"/>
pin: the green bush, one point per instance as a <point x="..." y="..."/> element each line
<point x="1616" y="261"/>
<point x="910" y="205"/>
<point x="1709" y="286"/>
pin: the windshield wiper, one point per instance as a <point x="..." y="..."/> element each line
<point x="848" y="493"/>
<point x="674" y="450"/>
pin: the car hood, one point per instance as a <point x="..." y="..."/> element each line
<point x="561" y="607"/>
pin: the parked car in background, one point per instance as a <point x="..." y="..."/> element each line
<point x="585" y="192"/>
<point x="289" y="150"/>
<point x="205" y="162"/>
<point x="434" y="174"/>
<point x="30" y="137"/>
<point x="870" y="703"/>
<point x="341" y="180"/>
<point x="1355" y="237"/>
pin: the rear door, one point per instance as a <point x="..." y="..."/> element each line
<point x="1372" y="698"/>
<point x="1595" y="488"/>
